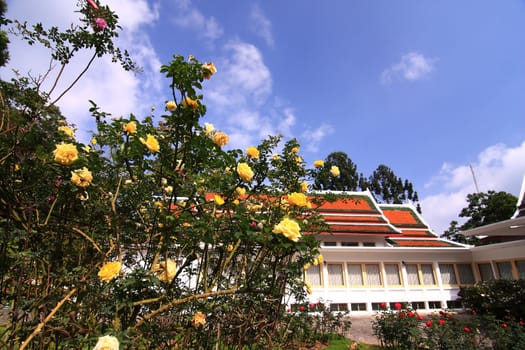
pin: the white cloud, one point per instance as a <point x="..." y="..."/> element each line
<point x="261" y="25"/>
<point x="312" y="138"/>
<point x="240" y="101"/>
<point x="189" y="17"/>
<point x="116" y="91"/>
<point x="498" y="168"/>
<point x="413" y="66"/>
<point x="238" y="92"/>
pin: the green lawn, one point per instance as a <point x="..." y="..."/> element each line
<point x="340" y="343"/>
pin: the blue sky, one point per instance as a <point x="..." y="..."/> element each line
<point x="428" y="88"/>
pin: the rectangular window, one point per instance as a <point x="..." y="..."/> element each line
<point x="520" y="266"/>
<point x="393" y="277"/>
<point x="393" y="305"/>
<point x="369" y="244"/>
<point x="339" y="307"/>
<point x="448" y="275"/>
<point x="420" y="274"/>
<point x="413" y="275"/>
<point x="349" y="244"/>
<point x="434" y="304"/>
<point x="335" y="275"/>
<point x="355" y="275"/>
<point x="358" y="306"/>
<point x="466" y="276"/>
<point x="485" y="271"/>
<point x="428" y="274"/>
<point x="373" y="276"/>
<point x="376" y="306"/>
<point x="329" y="244"/>
<point x="504" y="270"/>
<point x="418" y="305"/>
<point x="313" y="275"/>
<point x="454" y="304"/>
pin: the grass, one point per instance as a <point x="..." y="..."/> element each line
<point x="341" y="343"/>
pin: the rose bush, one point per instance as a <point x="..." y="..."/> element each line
<point x="152" y="234"/>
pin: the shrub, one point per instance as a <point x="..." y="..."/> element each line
<point x="444" y="331"/>
<point x="397" y="329"/>
<point x="502" y="298"/>
<point x="152" y="233"/>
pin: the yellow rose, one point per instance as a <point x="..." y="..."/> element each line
<point x="275" y="157"/>
<point x="245" y="172"/>
<point x="130" y="127"/>
<point x="168" y="190"/>
<point x="295" y="150"/>
<point x="288" y="228"/>
<point x="81" y="177"/>
<point x="151" y="143"/>
<point x="65" y="153"/>
<point x="220" y="139"/>
<point x="208" y="129"/>
<point x="66" y="130"/>
<point x="298" y="199"/>
<point x="229" y="248"/>
<point x="109" y="271"/>
<point x="308" y="287"/>
<point x="199" y="319"/>
<point x="218" y="199"/>
<point x="252" y="152"/>
<point x="334" y="170"/>
<point x="107" y="342"/>
<point x="306" y="266"/>
<point x="241" y="191"/>
<point x="165" y="270"/>
<point x="319" y="163"/>
<point x="190" y="102"/>
<point x="298" y="159"/>
<point x="209" y="70"/>
<point x="171" y="106"/>
<point x="304" y="186"/>
<point x="93" y="141"/>
<point x="320" y="259"/>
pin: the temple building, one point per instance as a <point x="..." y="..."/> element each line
<point x="377" y="253"/>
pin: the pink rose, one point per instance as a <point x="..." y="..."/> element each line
<point x="100" y="23"/>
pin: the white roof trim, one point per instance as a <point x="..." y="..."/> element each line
<point x="511" y="227"/>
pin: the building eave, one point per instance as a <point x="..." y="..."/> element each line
<point x="511" y="227"/>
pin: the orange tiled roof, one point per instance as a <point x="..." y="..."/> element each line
<point x="422" y="243"/>
<point x="363" y="228"/>
<point x="352" y="203"/>
<point x="417" y="233"/>
<point x="354" y="218"/>
<point x="402" y="217"/>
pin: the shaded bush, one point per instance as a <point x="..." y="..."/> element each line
<point x="504" y="299"/>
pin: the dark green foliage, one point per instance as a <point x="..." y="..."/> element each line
<point x="383" y="183"/>
<point x="348" y="180"/>
<point x="387" y="187"/>
<point x="502" y="298"/>
<point x="483" y="209"/>
<point x="4" y="40"/>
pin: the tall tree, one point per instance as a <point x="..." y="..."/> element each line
<point x="483" y="209"/>
<point x="4" y="41"/>
<point x="348" y="179"/>
<point x="387" y="187"/>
